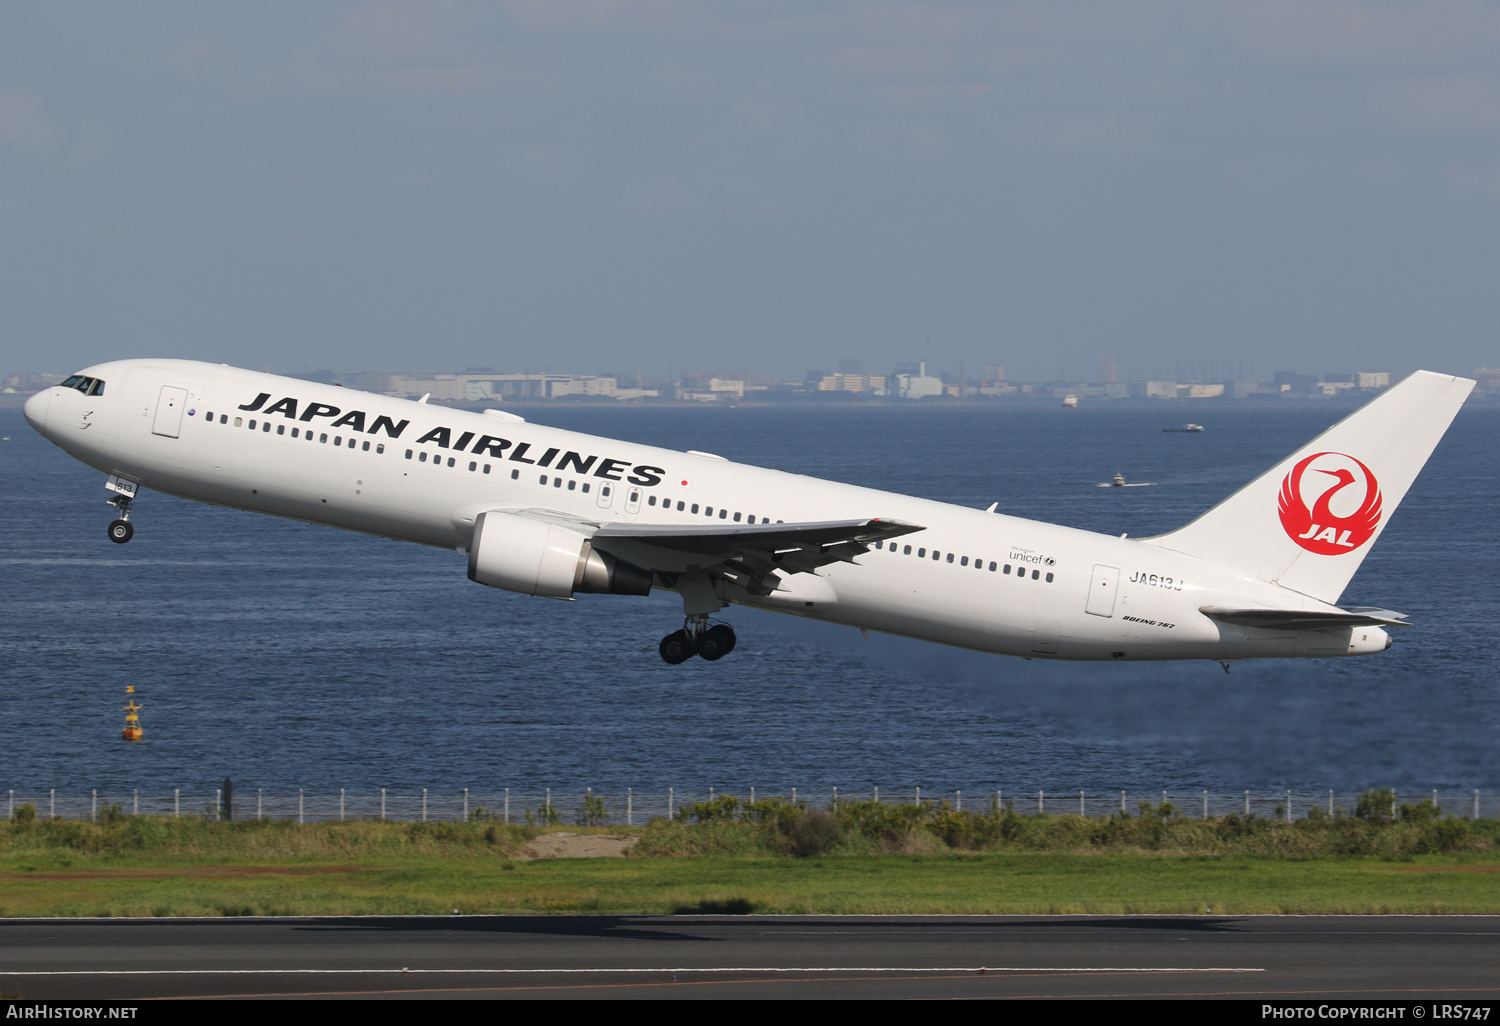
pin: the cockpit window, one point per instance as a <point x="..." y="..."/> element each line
<point x="88" y="386"/>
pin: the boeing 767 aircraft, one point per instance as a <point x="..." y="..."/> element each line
<point x="553" y="513"/>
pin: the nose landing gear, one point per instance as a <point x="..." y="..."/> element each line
<point x="697" y="638"/>
<point x="120" y="529"/>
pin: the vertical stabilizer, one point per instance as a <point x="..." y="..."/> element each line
<point x="1308" y="522"/>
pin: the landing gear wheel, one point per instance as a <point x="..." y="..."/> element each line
<point x="716" y="642"/>
<point x="120" y="531"/>
<point x="676" y="648"/>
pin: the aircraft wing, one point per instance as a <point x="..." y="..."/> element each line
<point x="1306" y="619"/>
<point x="748" y="553"/>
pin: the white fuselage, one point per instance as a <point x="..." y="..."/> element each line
<point x="420" y="473"/>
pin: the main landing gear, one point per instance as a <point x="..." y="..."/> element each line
<point x="120" y="530"/>
<point x="697" y="638"/>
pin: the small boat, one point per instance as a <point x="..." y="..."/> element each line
<point x="1070" y="402"/>
<point x="1184" y="428"/>
<point x="1118" y="481"/>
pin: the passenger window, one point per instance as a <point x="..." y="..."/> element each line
<point x="950" y="557"/>
<point x="964" y="561"/>
<point x="921" y="553"/>
<point x="379" y="446"/>
<point x="708" y="511"/>
<point x="238" y="421"/>
<point x="736" y="518"/>
<point x="1007" y="568"/>
<point x="544" y="479"/>
<point x="724" y="513"/>
<point x="515" y="475"/>
<point x="906" y="551"/>
<point x="281" y="429"/>
<point x="1035" y="574"/>
<point x="557" y="482"/>
<point x="365" y="447"/>
<point x="572" y="485"/>
<point x="408" y="454"/>
<point x="298" y="434"/>
<point x="473" y="465"/>
<point x="992" y="566"/>
<point x="679" y="505"/>
<point x="695" y="507"/>
<point x="224" y="419"/>
<point x="266" y="426"/>
<point x="323" y="439"/>
<point x="422" y="458"/>
<point x="585" y="487"/>
<point x="338" y="439"/>
<point x="1049" y="578"/>
<point x="209" y="417"/>
<point x="486" y="468"/>
<point x="651" y="501"/>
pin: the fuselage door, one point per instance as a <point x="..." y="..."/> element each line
<point x="606" y="494"/>
<point x="169" y="407"/>
<point x="632" y="499"/>
<point x="1102" y="590"/>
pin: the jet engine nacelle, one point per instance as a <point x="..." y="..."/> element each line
<point x="537" y="558"/>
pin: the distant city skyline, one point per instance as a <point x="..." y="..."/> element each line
<point x="1194" y="191"/>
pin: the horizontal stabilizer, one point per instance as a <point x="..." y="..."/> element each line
<point x="1305" y="619"/>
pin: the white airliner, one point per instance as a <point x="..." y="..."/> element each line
<point x="553" y="513"/>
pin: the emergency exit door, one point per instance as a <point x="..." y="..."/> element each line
<point x="1102" y="590"/>
<point x="169" y="411"/>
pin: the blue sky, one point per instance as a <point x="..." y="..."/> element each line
<point x="1195" y="188"/>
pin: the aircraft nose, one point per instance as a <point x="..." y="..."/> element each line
<point x="36" y="410"/>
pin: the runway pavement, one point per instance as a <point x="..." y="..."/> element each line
<point x="1402" y="958"/>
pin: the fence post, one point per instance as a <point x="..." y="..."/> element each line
<point x="94" y="806"/>
<point x="629" y="807"/>
<point x="1039" y="802"/>
<point x="1122" y="803"/>
<point x="341" y="805"/>
<point x="1476" y="801"/>
<point x="466" y="805"/>
<point x="959" y="807"/>
<point x="669" y="803"/>
<point x="752" y="796"/>
<point x="300" y="817"/>
<point x="13" y="804"/>
<point x="507" y="805"/>
<point x="382" y="803"/>
<point x="52" y="803"/>
<point x="135" y="807"/>
<point x="1205" y="804"/>
<point x="1289" y="805"/>
<point x="177" y="802"/>
<point x="424" y="805"/>
<point x="1080" y="802"/>
<point x="260" y="795"/>
<point x="1330" y="802"/>
<point x="919" y="797"/>
<point x="1247" y="803"/>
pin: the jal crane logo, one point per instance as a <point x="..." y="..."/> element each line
<point x="1356" y="494"/>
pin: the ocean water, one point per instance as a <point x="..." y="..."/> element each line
<point x="286" y="656"/>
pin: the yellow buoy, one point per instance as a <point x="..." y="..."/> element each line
<point x="132" y="731"/>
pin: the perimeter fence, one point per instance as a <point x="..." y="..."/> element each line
<point x="636" y="808"/>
